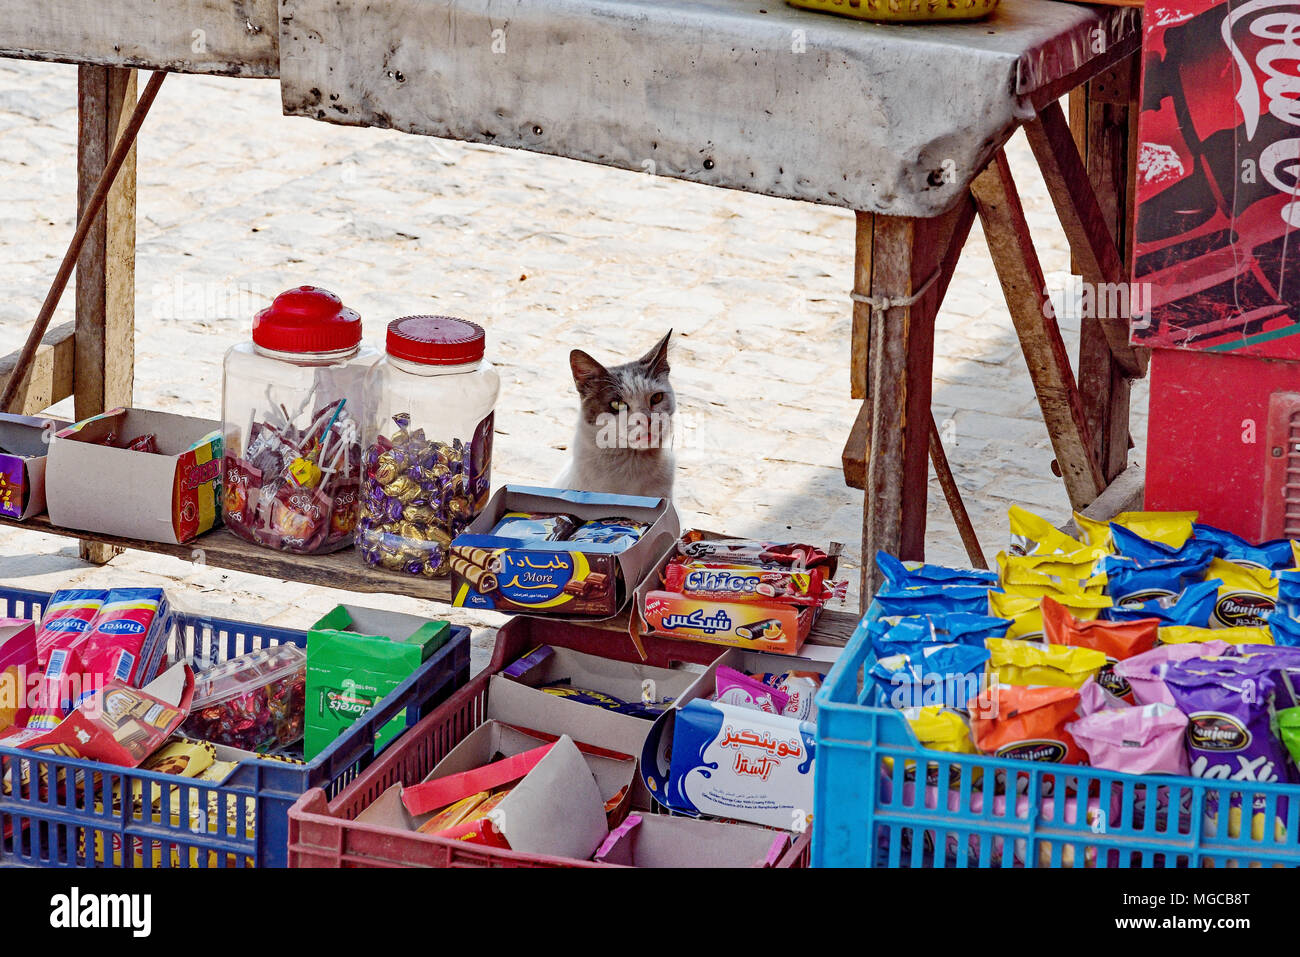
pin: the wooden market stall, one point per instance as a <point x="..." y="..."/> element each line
<point x="902" y="124"/>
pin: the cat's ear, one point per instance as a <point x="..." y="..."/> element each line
<point x="586" y="370"/>
<point x="656" y="360"/>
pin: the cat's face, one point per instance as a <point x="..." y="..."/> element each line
<point x="628" y="406"/>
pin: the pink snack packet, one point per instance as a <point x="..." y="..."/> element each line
<point x="1145" y="673"/>
<point x="1094" y="697"/>
<point x="735" y="687"/>
<point x="1147" y="739"/>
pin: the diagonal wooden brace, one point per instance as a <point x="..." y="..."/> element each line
<point x="1021" y="277"/>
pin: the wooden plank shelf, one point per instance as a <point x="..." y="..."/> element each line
<point x="344" y="570"/>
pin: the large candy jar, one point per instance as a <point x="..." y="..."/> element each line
<point x="428" y="460"/>
<point x="293" y="407"/>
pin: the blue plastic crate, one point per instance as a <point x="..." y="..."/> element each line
<point x="868" y="814"/>
<point x="48" y="809"/>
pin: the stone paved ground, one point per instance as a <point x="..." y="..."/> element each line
<point x="238" y="203"/>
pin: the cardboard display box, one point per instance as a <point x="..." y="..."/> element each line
<point x="660" y="840"/>
<point x="24" y="443"/>
<point x="563" y="806"/>
<point x="774" y="627"/>
<point x="167" y="497"/>
<point x="515" y="575"/>
<point x="355" y="657"/>
<point x="702" y="757"/>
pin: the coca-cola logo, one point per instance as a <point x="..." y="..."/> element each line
<point x="1243" y="609"/>
<point x="1038" y="750"/>
<point x="1269" y="84"/>
<point x="1215" y="731"/>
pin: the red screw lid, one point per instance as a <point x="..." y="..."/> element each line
<point x="435" y="340"/>
<point x="307" y="319"/>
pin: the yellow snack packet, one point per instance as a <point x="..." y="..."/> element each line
<point x="1023" y="575"/>
<point x="939" y="729"/>
<point x="1168" y="528"/>
<point x="1247" y="596"/>
<point x="1026" y="615"/>
<point x="1185" y="634"/>
<point x="1079" y="565"/>
<point x="1029" y="663"/>
<point x="1033" y="535"/>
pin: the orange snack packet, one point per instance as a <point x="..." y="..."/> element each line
<point x="1117" y="640"/>
<point x="1012" y="721"/>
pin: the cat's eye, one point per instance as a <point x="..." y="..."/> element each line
<point x="618" y="405"/>
<point x="656" y="398"/>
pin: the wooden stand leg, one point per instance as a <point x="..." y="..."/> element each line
<point x="1103" y="119"/>
<point x="105" y="314"/>
<point x="1021" y="277"/>
<point x="899" y="366"/>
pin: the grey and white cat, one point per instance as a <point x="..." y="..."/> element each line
<point x="623" y="442"/>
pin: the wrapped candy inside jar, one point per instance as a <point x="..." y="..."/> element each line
<point x="422" y="487"/>
<point x="293" y="408"/>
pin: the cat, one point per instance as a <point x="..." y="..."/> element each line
<point x="623" y="442"/>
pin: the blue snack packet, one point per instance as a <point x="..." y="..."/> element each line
<point x="1193" y="606"/>
<point x="1288" y="592"/>
<point x="1145" y="552"/>
<point x="941" y="676"/>
<point x="928" y="599"/>
<point x="900" y="574"/>
<point x="1274" y="555"/>
<point x="1284" y="629"/>
<point x="892" y="636"/>
<point x="1132" y="582"/>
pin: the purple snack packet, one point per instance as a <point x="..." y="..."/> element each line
<point x="1145" y="672"/>
<point x="1228" y="721"/>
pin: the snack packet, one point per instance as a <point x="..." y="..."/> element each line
<point x="1118" y="640"/>
<point x="1284" y="629"/>
<point x="1288" y="591"/>
<point x="1033" y="535"/>
<point x="800" y="689"/>
<point x="938" y="729"/>
<point x="1079" y="566"/>
<point x="1144" y="551"/>
<point x="915" y="574"/>
<point x="734" y="687"/>
<point x="1228" y="715"/>
<point x="1094" y="697"/>
<point x="892" y="636"/>
<point x="1143" y="740"/>
<point x="1026" y="615"/>
<point x="719" y="581"/>
<point x="940" y="676"/>
<point x="1246" y="597"/>
<point x="601" y="700"/>
<point x="1193" y="606"/>
<point x="1029" y="663"/>
<point x="609" y="531"/>
<point x="693" y="544"/>
<point x="1272" y="556"/>
<point x="1131" y="583"/>
<point x="892" y="600"/>
<point x="1026" y="723"/>
<point x="537" y="526"/>
<point x="1186" y="634"/>
<point x="1144" y="673"/>
<point x="1168" y="528"/>
<point x="124" y="642"/>
<point x="68" y="615"/>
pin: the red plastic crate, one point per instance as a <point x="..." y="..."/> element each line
<point x="324" y="833"/>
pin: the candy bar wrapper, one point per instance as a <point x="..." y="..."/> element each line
<point x="609" y="531"/>
<point x="123" y="636"/>
<point x="693" y="545"/>
<point x="68" y="615"/>
<point x="800" y="688"/>
<point x="536" y="526"/>
<point x="729" y="581"/>
<point x="118" y="725"/>
<point x="601" y="700"/>
<point x="300" y="517"/>
<point x="144" y="443"/>
<point x="241" y="496"/>
<point x="739" y="689"/>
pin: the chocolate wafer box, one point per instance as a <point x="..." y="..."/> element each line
<point x="537" y="575"/>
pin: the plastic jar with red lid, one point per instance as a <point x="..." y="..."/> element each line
<point x="428" y="459"/>
<point x="293" y="404"/>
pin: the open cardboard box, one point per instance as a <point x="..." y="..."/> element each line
<point x="661" y="840"/>
<point x="706" y="758"/>
<point x="517" y="720"/>
<point x="559" y="807"/>
<point x="24" y="444"/>
<point x="774" y="626"/>
<point x="169" y="497"/>
<point x="527" y="576"/>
